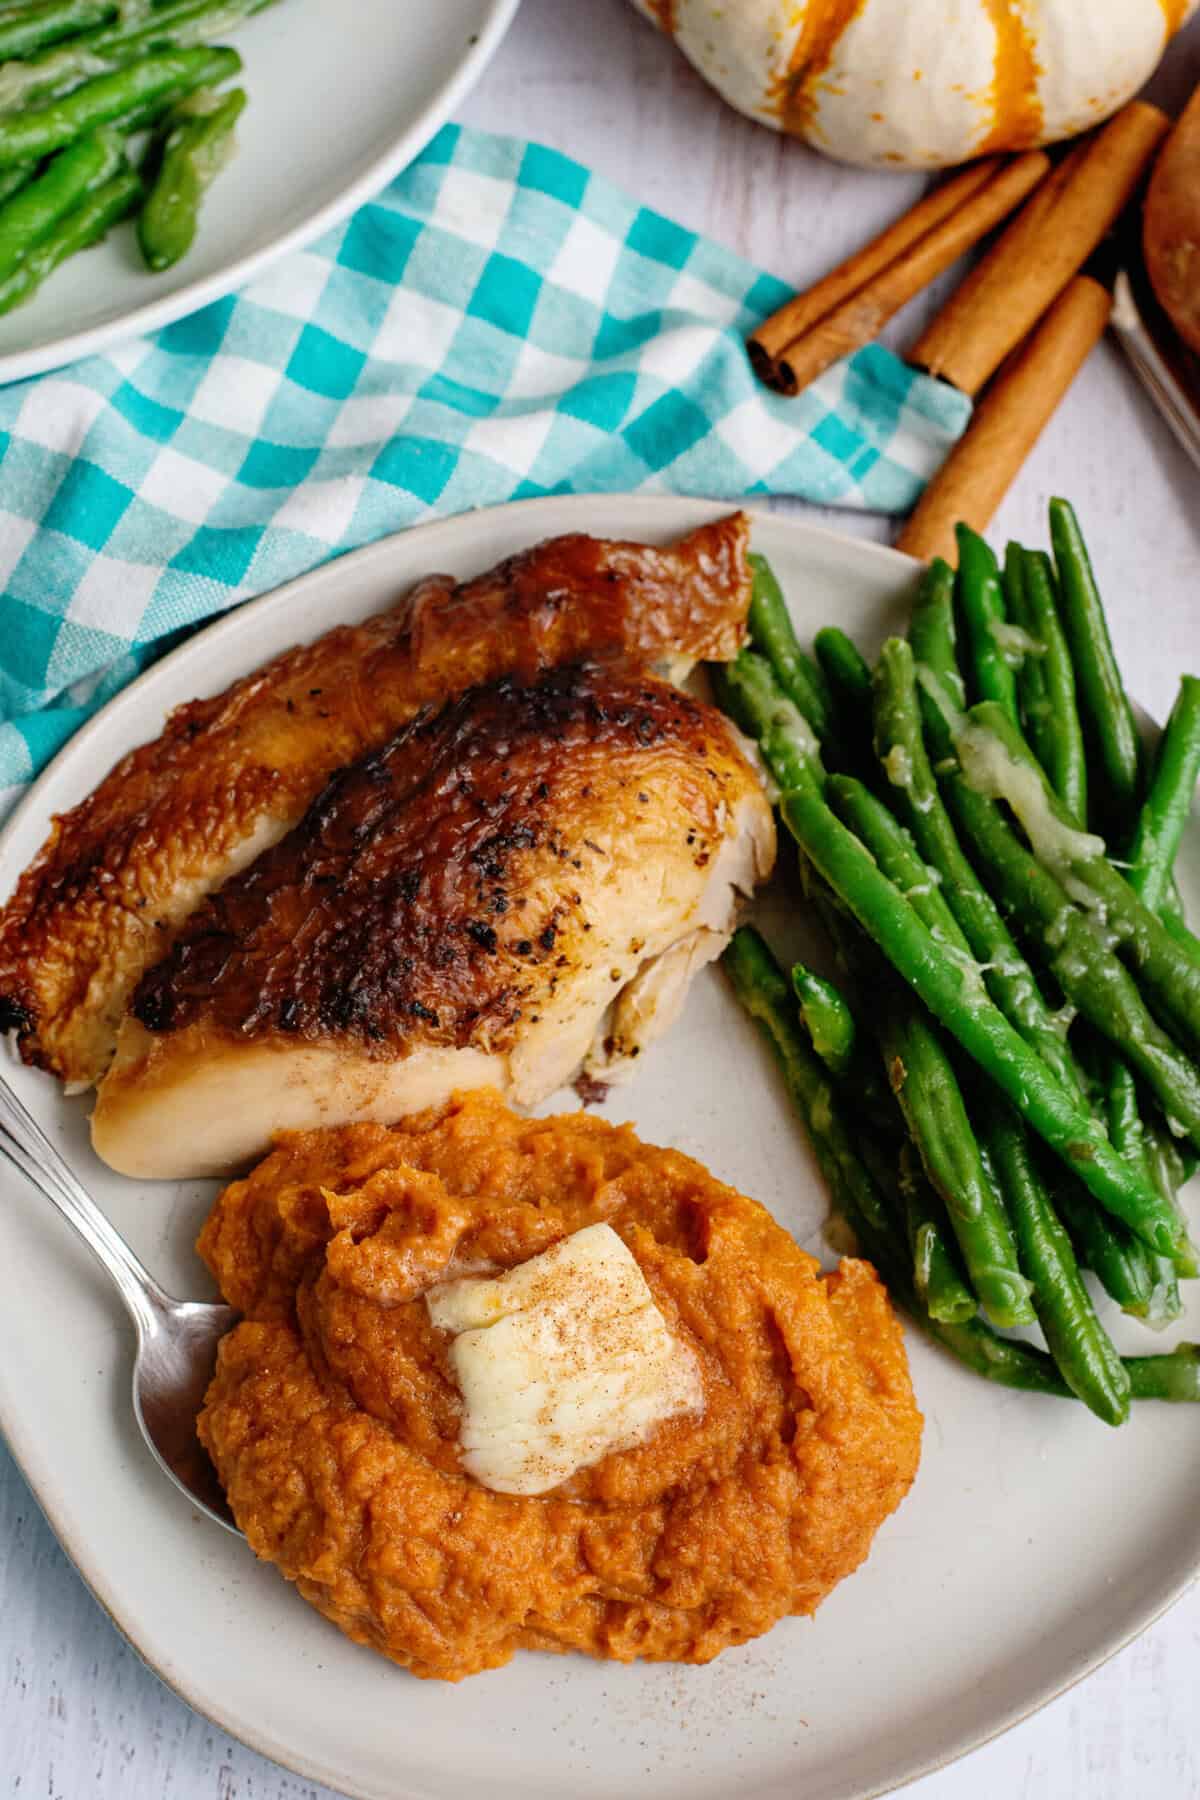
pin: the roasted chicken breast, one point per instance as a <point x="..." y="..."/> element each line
<point x="229" y="776"/>
<point x="516" y="887"/>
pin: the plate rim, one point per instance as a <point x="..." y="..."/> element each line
<point x="73" y="346"/>
<point x="663" y="515"/>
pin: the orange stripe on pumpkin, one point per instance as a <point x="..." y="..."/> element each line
<point x="791" y="94"/>
<point x="1015" y="107"/>
<point x="1173" y="11"/>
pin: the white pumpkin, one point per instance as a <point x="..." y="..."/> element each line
<point x="923" y="83"/>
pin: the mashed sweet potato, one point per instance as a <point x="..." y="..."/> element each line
<point x="333" y="1417"/>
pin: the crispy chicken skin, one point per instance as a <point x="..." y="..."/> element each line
<point x="229" y="776"/>
<point x="481" y="902"/>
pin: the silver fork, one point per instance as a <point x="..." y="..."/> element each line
<point x="176" y="1339"/>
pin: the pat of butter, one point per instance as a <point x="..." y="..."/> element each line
<point x="560" y="1361"/>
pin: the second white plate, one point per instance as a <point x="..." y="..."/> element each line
<point x="1034" y="1543"/>
<point x="341" y="98"/>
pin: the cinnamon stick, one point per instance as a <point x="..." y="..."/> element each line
<point x="863" y="315"/>
<point x="803" y="310"/>
<point x="1048" y="243"/>
<point x="1008" y="421"/>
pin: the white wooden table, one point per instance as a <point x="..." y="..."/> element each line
<point x="79" y="1715"/>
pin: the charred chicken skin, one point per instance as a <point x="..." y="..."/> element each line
<point x="230" y="776"/>
<point x="515" y="887"/>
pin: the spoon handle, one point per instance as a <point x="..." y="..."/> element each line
<point x="1167" y="387"/>
<point x="25" y="1145"/>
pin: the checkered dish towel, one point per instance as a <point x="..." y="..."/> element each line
<point x="499" y="324"/>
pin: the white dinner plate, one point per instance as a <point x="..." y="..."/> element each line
<point x="1035" y="1541"/>
<point x="343" y="94"/>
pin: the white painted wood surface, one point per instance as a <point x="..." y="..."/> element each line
<point x="79" y="1715"/>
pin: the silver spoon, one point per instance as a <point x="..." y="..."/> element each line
<point x="1166" y="369"/>
<point x="176" y="1339"/>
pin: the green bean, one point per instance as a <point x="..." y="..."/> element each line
<point x="959" y="1001"/>
<point x="221" y="62"/>
<point x="1055" y="731"/>
<point x="14" y="179"/>
<point x="1179" y="1160"/>
<point x="727" y="682"/>
<point x="866" y="1078"/>
<point x="845" y="667"/>
<point x="848" y="677"/>
<point x="1176" y="927"/>
<point x="1005" y="1361"/>
<point x="997" y="762"/>
<point x="981" y="606"/>
<point x="750" y="692"/>
<point x="762" y="987"/>
<point x="792" y="754"/>
<point x="102" y="208"/>
<point x="126" y="98"/>
<point x="1167" y="804"/>
<point x="1031" y="676"/>
<point x="936" y="1277"/>
<point x="897" y="855"/>
<point x="1173" y="1376"/>
<point x="827" y="1018"/>
<point x="199" y="142"/>
<point x="215" y="63"/>
<point x="1139" y="1282"/>
<point x="1129" y="1138"/>
<point x="932" y="631"/>
<point x="1124" y="1267"/>
<point x="1109" y="730"/>
<point x="1171" y="905"/>
<point x="1126" y="1270"/>
<point x="1089" y="974"/>
<point x="44" y="23"/>
<point x="181" y="24"/>
<point x="1174" y="918"/>
<point x="1077" y="1341"/>
<point x="924" y="1082"/>
<point x="774" y="635"/>
<point x="900" y="743"/>
<point x="39" y="206"/>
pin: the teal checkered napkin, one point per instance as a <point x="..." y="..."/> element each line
<point x="498" y="324"/>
